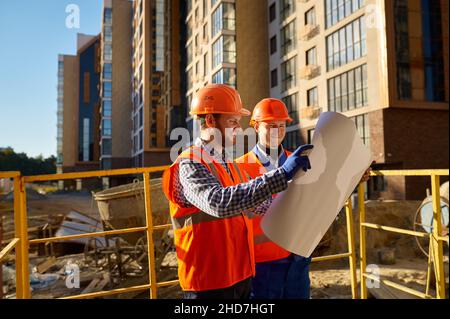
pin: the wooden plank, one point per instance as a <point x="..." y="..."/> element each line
<point x="46" y="265"/>
<point x="91" y="286"/>
<point x="385" y="292"/>
<point x="97" y="284"/>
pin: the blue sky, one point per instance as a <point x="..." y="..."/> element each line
<point x="32" y="34"/>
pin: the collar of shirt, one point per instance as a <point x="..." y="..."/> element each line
<point x="266" y="159"/>
<point x="214" y="149"/>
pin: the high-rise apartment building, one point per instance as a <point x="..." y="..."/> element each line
<point x="383" y="63"/>
<point x="173" y="78"/>
<point x="150" y="118"/>
<point x="67" y="114"/>
<point x="88" y="55"/>
<point x="226" y="43"/>
<point x="115" y="87"/>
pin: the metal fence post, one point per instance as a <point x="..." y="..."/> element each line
<point x="351" y="248"/>
<point x="21" y="232"/>
<point x="150" y="244"/>
<point x="362" y="240"/>
<point x="436" y="242"/>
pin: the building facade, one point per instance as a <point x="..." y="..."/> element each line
<point x="78" y="108"/>
<point x="149" y="117"/>
<point x="226" y="44"/>
<point x="174" y="78"/>
<point x="382" y="63"/>
<point x="88" y="101"/>
<point x="115" y="89"/>
<point x="67" y="121"/>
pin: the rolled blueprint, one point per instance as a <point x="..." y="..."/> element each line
<point x="299" y="217"/>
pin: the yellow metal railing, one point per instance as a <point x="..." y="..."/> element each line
<point x="22" y="243"/>
<point x="149" y="228"/>
<point x="436" y="238"/>
<point x="16" y="243"/>
<point x="351" y="254"/>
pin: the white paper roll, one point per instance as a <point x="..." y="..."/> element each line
<point x="299" y="217"/>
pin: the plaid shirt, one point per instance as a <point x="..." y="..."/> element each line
<point x="198" y="187"/>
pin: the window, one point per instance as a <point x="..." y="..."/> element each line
<point x="348" y="90"/>
<point x="107" y="89"/>
<point x="288" y="38"/>
<point x="337" y="10"/>
<point x="224" y="18"/>
<point x="106" y="108"/>
<point x="273" y="44"/>
<point x="272" y="12"/>
<point x="358" y="87"/>
<point x="274" y="78"/>
<point x="224" y="50"/>
<point x="293" y="138"/>
<point x="86" y="87"/>
<point x="362" y="126"/>
<point x="106" y="147"/>
<point x="106" y="163"/>
<point x="107" y="71"/>
<point x="107" y="35"/>
<point x="107" y="54"/>
<point x="106" y="128"/>
<point x="346" y="44"/>
<point x="311" y="56"/>
<point x="205" y="64"/>
<point x="288" y="74"/>
<point x="86" y="140"/>
<point x="190" y="54"/>
<point x="197" y="68"/>
<point x="310" y="17"/>
<point x="108" y="16"/>
<point x="217" y="52"/>
<point x="225" y="76"/>
<point x="402" y="54"/>
<point x="312" y="97"/>
<point x="205" y="8"/>
<point x="141" y="94"/>
<point x="205" y="32"/>
<point x="287" y="7"/>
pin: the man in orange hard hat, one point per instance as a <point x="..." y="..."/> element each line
<point x="279" y="273"/>
<point x="210" y="199"/>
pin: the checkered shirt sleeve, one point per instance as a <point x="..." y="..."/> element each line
<point x="196" y="186"/>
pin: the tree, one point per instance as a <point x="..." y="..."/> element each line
<point x="12" y="161"/>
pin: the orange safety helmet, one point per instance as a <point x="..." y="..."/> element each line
<point x="217" y="99"/>
<point x="270" y="110"/>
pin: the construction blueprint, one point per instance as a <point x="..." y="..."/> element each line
<point x="300" y="216"/>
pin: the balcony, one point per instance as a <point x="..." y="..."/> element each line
<point x="309" y="72"/>
<point x="309" y="31"/>
<point x="310" y="112"/>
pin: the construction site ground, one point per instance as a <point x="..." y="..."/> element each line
<point x="329" y="280"/>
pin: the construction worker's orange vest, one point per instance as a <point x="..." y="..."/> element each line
<point x="265" y="249"/>
<point x="213" y="253"/>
